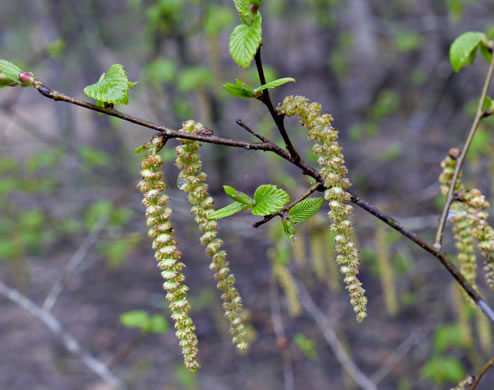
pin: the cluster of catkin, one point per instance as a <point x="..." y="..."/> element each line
<point x="192" y="180"/>
<point x="469" y="223"/>
<point x="168" y="256"/>
<point x="334" y="172"/>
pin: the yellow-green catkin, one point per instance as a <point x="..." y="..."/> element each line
<point x="462" y="315"/>
<point x="285" y="278"/>
<point x="333" y="279"/>
<point x="334" y="172"/>
<point x="383" y="256"/>
<point x="316" y="240"/>
<point x="192" y="180"/>
<point x="168" y="256"/>
<point x="465" y="383"/>
<point x="462" y="226"/>
<point x="481" y="230"/>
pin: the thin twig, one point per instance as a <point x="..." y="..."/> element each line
<point x="461" y="159"/>
<point x="488" y="365"/>
<point x="269" y="217"/>
<point x="74" y="262"/>
<point x="334" y="343"/>
<point x="278" y="119"/>
<point x="70" y="343"/>
<point x="127" y="350"/>
<point x="252" y="131"/>
<point x="170" y="133"/>
<point x="281" y="338"/>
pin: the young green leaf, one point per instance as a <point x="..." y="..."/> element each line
<point x="274" y="84"/>
<point x="288" y="228"/>
<point x="135" y="319"/>
<point x="10" y="71"/>
<point x="305" y="209"/>
<point x="487" y="103"/>
<point x="157" y="324"/>
<point x="228" y="210"/>
<point x="245" y="41"/>
<point x="462" y="51"/>
<point x="486" y="53"/>
<point x="113" y="87"/>
<point x="240" y="90"/>
<point x="239" y="196"/>
<point x="269" y="199"/>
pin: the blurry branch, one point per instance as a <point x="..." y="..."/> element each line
<point x="461" y="159"/>
<point x="70" y="343"/>
<point x="332" y="339"/>
<point x="74" y="262"/>
<point x="488" y="365"/>
<point x="403" y="349"/>
<point x="292" y="157"/>
<point x="281" y="340"/>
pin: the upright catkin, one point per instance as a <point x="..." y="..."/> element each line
<point x="168" y="256"/>
<point x="192" y="180"/>
<point x="333" y="170"/>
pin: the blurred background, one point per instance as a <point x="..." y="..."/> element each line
<point x="72" y="227"/>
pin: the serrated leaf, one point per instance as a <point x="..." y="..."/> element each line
<point x="269" y="199"/>
<point x="113" y="87"/>
<point x="239" y="196"/>
<point x="245" y="41"/>
<point x="305" y="209"/>
<point x="462" y="51"/>
<point x="240" y="90"/>
<point x="275" y="83"/>
<point x="242" y="6"/>
<point x="135" y="319"/>
<point x="10" y="70"/>
<point x="228" y="210"/>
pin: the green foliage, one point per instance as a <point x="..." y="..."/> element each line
<point x="387" y="103"/>
<point x="274" y="84"/>
<point x="9" y="73"/>
<point x="142" y="320"/>
<point x="447" y="336"/>
<point x="217" y="19"/>
<point x="269" y="199"/>
<point x="228" y="210"/>
<point x="112" y="87"/>
<point x="305" y="209"/>
<point x="307" y="346"/>
<point x="93" y="157"/>
<point x="480" y="144"/>
<point x="185" y="378"/>
<point x="193" y="78"/>
<point x="240" y="89"/>
<point x="463" y="50"/>
<point x="443" y="369"/>
<point x="239" y="196"/>
<point x="117" y="250"/>
<point x="406" y="41"/>
<point x="391" y="152"/>
<point x="245" y="41"/>
<point x="55" y="48"/>
<point x="160" y="70"/>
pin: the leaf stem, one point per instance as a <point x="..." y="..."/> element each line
<point x="488" y="365"/>
<point x="461" y="159"/>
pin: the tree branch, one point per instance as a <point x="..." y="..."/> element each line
<point x="488" y="365"/>
<point x="297" y="161"/>
<point x="334" y="343"/>
<point x="461" y="159"/>
<point x="278" y="119"/>
<point x="70" y="343"/>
